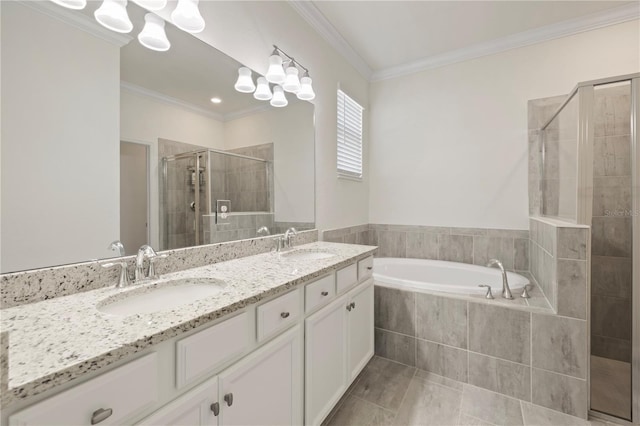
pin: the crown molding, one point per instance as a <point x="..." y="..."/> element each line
<point x="79" y="21"/>
<point x="566" y="28"/>
<point x="321" y="24"/>
<point x="151" y="94"/>
<point x="247" y="111"/>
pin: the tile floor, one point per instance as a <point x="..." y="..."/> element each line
<point x="389" y="393"/>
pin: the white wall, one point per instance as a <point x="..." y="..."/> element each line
<point x="60" y="109"/>
<point x="292" y="133"/>
<point x="449" y="145"/>
<point x="246" y="31"/>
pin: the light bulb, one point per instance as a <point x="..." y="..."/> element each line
<point x="263" y="92"/>
<point x="292" y="82"/>
<point x="306" y="92"/>
<point x="113" y="15"/>
<point x="187" y="17"/>
<point x="275" y="73"/>
<point x="279" y="100"/>
<point x="71" y="4"/>
<point x="244" y="84"/>
<point x="152" y="35"/>
<point x="151" y="4"/>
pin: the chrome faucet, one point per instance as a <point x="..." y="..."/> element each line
<point x="263" y="231"/>
<point x="506" y="291"/>
<point x="146" y="252"/>
<point x="123" y="279"/>
<point x="291" y="232"/>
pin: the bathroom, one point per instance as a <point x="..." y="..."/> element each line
<point x="308" y="212"/>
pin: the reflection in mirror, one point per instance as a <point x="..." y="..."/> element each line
<point x="104" y="140"/>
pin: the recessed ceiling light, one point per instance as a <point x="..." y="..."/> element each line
<point x="216" y="100"/>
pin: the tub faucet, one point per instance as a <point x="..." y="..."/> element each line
<point x="506" y="291"/>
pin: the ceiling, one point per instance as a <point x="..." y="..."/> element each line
<point x="388" y="34"/>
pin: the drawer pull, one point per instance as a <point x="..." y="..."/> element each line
<point x="353" y="305"/>
<point x="101" y="414"/>
<point x="349" y="308"/>
<point x="325" y="293"/>
<point x="369" y="267"/>
<point x="285" y="314"/>
<point x="228" y="398"/>
<point x="215" y="407"/>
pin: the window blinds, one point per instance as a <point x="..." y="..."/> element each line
<point x="349" y="137"/>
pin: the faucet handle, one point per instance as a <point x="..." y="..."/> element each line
<point x="525" y="292"/>
<point x="489" y="295"/>
<point x="152" y="266"/>
<point x="123" y="280"/>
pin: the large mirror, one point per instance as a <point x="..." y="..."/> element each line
<point x="103" y="139"/>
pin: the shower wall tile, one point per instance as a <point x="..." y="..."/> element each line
<point x="611" y="317"/>
<point x="608" y="347"/>
<point x="500" y="332"/>
<point x="611" y="236"/>
<point x="559" y="344"/>
<point x="611" y="195"/>
<point x="559" y="392"/>
<point x="572" y="288"/>
<point x="441" y="320"/>
<point x="498" y="375"/>
<point x="612" y="111"/>
<point x="572" y="243"/>
<point x="486" y="248"/>
<point x="611" y="276"/>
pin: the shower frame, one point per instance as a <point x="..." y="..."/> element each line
<point x="206" y="163"/>
<point x="584" y="210"/>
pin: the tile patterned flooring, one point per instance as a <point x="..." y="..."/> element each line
<point x="611" y="386"/>
<point x="393" y="394"/>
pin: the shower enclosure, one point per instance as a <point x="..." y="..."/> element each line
<point x="590" y="176"/>
<point x="210" y="196"/>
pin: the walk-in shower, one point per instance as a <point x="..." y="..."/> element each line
<point x="589" y="175"/>
<point x="210" y="196"/>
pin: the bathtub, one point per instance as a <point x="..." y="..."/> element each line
<point x="437" y="275"/>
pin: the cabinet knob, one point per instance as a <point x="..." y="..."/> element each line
<point x="349" y="308"/>
<point x="228" y="398"/>
<point x="100" y="415"/>
<point x="325" y="293"/>
<point x="215" y="407"/>
<point x="285" y="314"/>
<point x="353" y="305"/>
<point x="369" y="267"/>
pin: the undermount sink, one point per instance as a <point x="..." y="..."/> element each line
<point x="307" y="255"/>
<point x="163" y="296"/>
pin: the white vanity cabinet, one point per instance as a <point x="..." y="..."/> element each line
<point x="338" y="344"/>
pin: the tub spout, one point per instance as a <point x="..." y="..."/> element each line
<point x="506" y="291"/>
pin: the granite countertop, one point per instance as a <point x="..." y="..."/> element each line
<point x="57" y="340"/>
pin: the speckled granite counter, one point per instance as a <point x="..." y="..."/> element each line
<point x="54" y="341"/>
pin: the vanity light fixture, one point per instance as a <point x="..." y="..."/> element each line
<point x="292" y="82"/>
<point x="112" y="14"/>
<point x="186" y="16"/>
<point x="263" y="91"/>
<point x="279" y="100"/>
<point x="306" y="92"/>
<point x="244" y="84"/>
<point x="152" y="5"/>
<point x="153" y="35"/>
<point x="275" y="73"/>
<point x="71" y="4"/>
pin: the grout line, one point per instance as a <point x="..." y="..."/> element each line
<point x="372" y="403"/>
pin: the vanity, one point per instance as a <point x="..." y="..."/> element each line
<point x="280" y="343"/>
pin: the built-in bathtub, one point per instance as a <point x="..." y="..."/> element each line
<point x="438" y="275"/>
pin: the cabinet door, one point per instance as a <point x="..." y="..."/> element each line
<point x="360" y="332"/>
<point x="265" y="388"/>
<point x="325" y="360"/>
<point x="199" y="406"/>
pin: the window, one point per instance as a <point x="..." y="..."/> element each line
<point x="349" y="137"/>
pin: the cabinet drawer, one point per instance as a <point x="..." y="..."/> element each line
<point x="204" y="351"/>
<point x="347" y="277"/>
<point x="109" y="399"/>
<point x="365" y="268"/>
<point x="319" y="292"/>
<point x="278" y="314"/>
